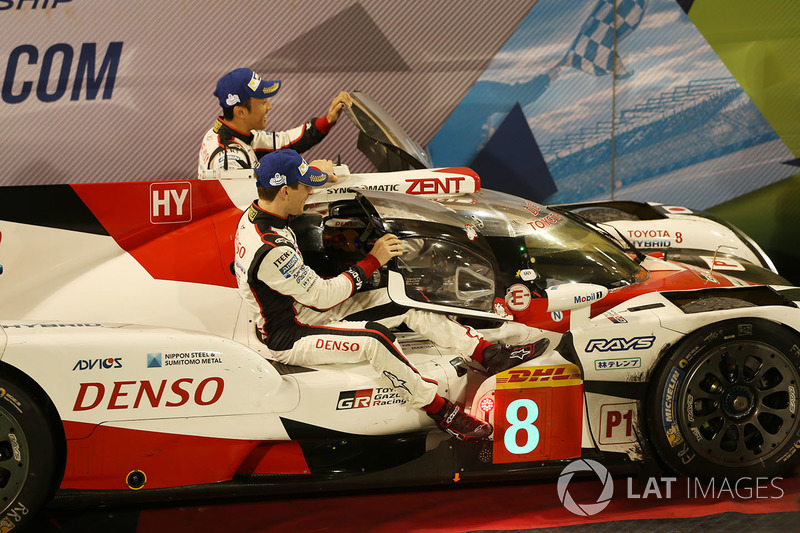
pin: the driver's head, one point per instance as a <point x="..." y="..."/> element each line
<point x="244" y="97"/>
<point x="285" y="176"/>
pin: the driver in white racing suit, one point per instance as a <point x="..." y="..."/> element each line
<point x="238" y="139"/>
<point x="285" y="295"/>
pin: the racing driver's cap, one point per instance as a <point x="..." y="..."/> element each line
<point x="285" y="167"/>
<point x="243" y="84"/>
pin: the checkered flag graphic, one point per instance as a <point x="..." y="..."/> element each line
<point x="592" y="50"/>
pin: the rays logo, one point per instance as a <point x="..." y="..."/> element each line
<point x="585" y="509"/>
<point x="620" y="344"/>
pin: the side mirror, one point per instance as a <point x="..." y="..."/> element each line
<point x="576" y="298"/>
<point x="570" y="296"/>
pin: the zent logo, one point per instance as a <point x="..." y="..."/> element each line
<point x="435" y="185"/>
<point x="171" y="202"/>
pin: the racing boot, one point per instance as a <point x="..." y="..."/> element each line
<point x="499" y="357"/>
<point x="453" y="420"/>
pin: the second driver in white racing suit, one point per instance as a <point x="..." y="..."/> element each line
<point x="238" y="139"/>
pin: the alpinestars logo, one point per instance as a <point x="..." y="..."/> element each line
<point x="521" y="353"/>
<point x="585" y="509"/>
<point x="397" y="383"/>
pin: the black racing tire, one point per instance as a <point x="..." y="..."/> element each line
<point x="723" y="403"/>
<point x="28" y="450"/>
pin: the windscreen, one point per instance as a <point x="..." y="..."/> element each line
<point x="447" y="273"/>
<point x="559" y="249"/>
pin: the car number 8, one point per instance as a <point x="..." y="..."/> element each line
<point x="516" y="425"/>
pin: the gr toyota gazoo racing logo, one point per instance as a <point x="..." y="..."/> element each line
<point x="357" y="399"/>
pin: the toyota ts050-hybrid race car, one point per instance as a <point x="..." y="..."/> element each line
<point x="129" y="370"/>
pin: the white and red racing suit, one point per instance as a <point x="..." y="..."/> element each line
<point x="228" y="148"/>
<point x="282" y="291"/>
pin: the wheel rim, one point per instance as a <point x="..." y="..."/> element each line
<point x="13" y="457"/>
<point x="738" y="405"/>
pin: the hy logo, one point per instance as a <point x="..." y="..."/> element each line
<point x="154" y="360"/>
<point x="586" y="509"/>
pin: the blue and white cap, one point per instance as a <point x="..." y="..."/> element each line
<point x="284" y="167"/>
<point x="242" y="84"/>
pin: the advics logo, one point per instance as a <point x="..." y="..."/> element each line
<point x="586" y="509"/>
<point x="91" y="364"/>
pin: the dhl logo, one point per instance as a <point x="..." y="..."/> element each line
<point x="541" y="376"/>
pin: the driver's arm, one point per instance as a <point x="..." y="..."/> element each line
<point x="284" y="271"/>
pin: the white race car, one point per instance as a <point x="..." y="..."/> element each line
<point x="128" y="369"/>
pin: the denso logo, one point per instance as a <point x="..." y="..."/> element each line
<point x="435" y="185"/>
<point x="342" y="346"/>
<point x="145" y="393"/>
<point x="91" y="364"/>
<point x="620" y="344"/>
